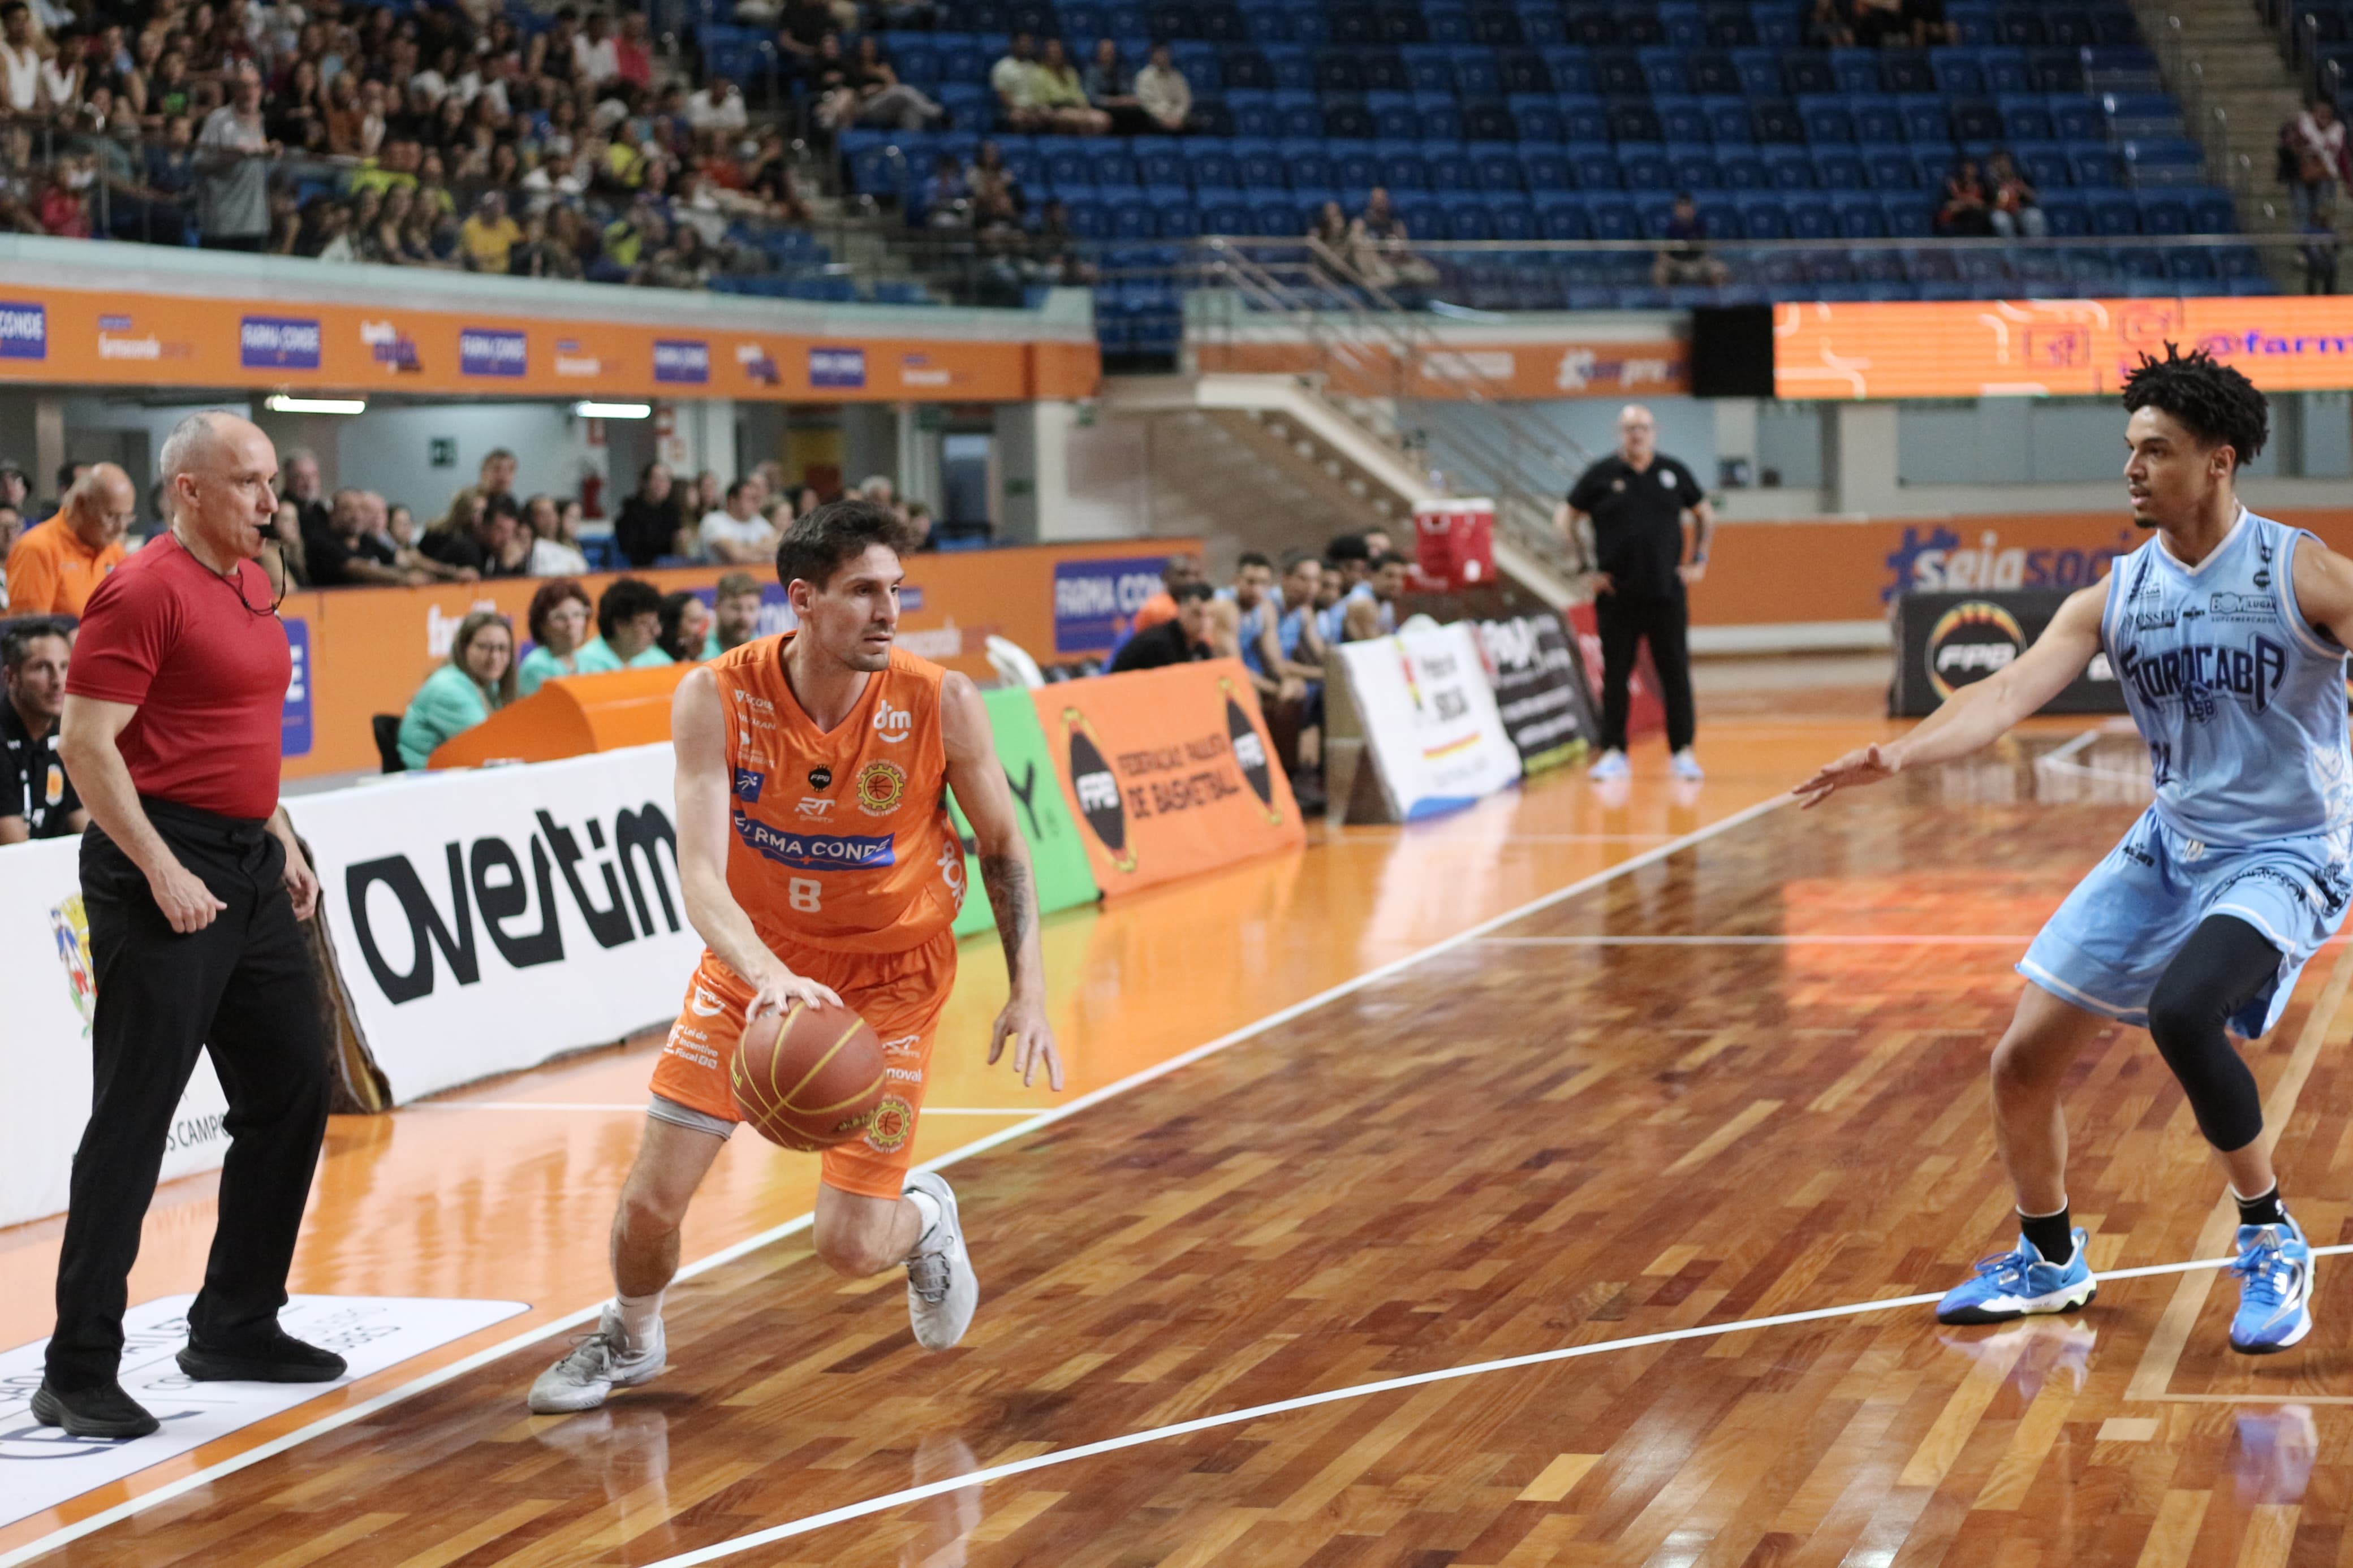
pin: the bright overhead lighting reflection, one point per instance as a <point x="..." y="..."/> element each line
<point x="282" y="405"/>
<point x="613" y="410"/>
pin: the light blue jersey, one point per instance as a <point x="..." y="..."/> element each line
<point x="2242" y="704"/>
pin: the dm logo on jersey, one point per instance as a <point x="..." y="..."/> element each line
<point x="817" y="851"/>
<point x="748" y="783"/>
<point x="70" y="928"/>
<point x="1249" y="752"/>
<point x="1970" y="641"/>
<point x="879" y="785"/>
<point x="1097" y="788"/>
<point x="2195" y="674"/>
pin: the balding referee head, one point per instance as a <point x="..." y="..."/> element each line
<point x="192" y="882"/>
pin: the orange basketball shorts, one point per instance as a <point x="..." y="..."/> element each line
<point x="900" y="995"/>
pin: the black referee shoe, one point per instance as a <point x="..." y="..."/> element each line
<point x="279" y="1358"/>
<point x="101" y="1412"/>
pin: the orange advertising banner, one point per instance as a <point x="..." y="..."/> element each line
<point x="1776" y="574"/>
<point x="64" y="336"/>
<point x="361" y="651"/>
<point x="1531" y="371"/>
<point x="2039" y="348"/>
<point x="1171" y="769"/>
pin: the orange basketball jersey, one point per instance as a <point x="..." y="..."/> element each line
<point x="842" y="839"/>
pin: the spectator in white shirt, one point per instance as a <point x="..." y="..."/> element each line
<point x="718" y="106"/>
<point x="2314" y="145"/>
<point x="738" y="535"/>
<point x="594" y="55"/>
<point x="1163" y="91"/>
<point x="555" y="539"/>
<point x="22" y="88"/>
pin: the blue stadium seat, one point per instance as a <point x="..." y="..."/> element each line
<point x="2066" y="214"/>
<point x="1475" y="75"/>
<point x="1468" y="216"/>
<point x="1571" y="70"/>
<point x="1583" y="120"/>
<point x="1890" y="169"/>
<point x="2026" y="118"/>
<point x="2162" y="211"/>
<point x="1664" y="70"/>
<point x="2113" y="213"/>
<point x="2075" y="118"/>
<point x="1728" y="122"/>
<point x="2095" y="167"/>
<point x="1910" y="214"/>
<point x="1309" y="162"/>
<point x="1595" y="168"/>
<point x="2210" y="212"/>
<point x="1451" y="167"/>
<point x="1764" y="218"/>
<point x="1561" y="217"/>
<point x="1925" y="122"/>
<point x="1860" y="215"/>
<point x="1681" y="120"/>
<point x="1807" y="72"/>
<point x="1740" y="169"/>
<point x="1760" y="72"/>
<point x="1635" y="122"/>
<point x="1839" y="169"/>
<point x="1646" y="168"/>
<point x="1545" y="169"/>
<point x="1825" y="120"/>
<point x="1497" y="166"/>
<point x="1811" y="218"/>
<point x="1857" y="70"/>
<point x="1960" y="73"/>
<point x="1612" y="217"/>
<point x="1876" y="119"/>
<point x="1538" y="118"/>
<point x="1695" y="168"/>
<point x="1790" y="168"/>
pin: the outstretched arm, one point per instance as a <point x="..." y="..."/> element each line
<point x="978" y="780"/>
<point x="1981" y="713"/>
<point x="2324" y="589"/>
<point x="699" y="736"/>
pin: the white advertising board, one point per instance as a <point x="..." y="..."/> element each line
<point x="1430" y="719"/>
<point x="486" y="921"/>
<point x="45" y="1039"/>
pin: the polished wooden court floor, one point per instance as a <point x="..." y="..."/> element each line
<point x="1657" y="1166"/>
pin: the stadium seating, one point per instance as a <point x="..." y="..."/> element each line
<point x="1495" y="121"/>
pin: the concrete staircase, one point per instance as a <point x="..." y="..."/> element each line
<point x="2231" y="75"/>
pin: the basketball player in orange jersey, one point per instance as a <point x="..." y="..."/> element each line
<point x="820" y="865"/>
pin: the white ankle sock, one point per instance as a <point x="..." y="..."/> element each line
<point x="640" y="1315"/>
<point x="928" y="1208"/>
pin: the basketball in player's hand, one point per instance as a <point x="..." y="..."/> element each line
<point x="808" y="1079"/>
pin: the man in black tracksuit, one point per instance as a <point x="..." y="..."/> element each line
<point x="1635" y="501"/>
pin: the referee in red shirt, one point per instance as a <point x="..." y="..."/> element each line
<point x="192" y="882"/>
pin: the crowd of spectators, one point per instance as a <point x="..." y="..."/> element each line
<point x="1278" y="622"/>
<point x="445" y="137"/>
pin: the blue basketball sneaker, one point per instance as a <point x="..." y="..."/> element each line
<point x="2274" y="1270"/>
<point x="2020" y="1283"/>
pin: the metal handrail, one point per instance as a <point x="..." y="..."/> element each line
<point x="1521" y="471"/>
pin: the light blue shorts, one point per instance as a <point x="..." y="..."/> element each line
<point x="2107" y="945"/>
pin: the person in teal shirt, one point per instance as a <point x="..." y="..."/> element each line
<point x="628" y="626"/>
<point x="478" y="681"/>
<point x="559" y="625"/>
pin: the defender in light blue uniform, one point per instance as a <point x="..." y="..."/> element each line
<point x="2225" y="632"/>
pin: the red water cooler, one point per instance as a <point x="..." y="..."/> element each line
<point x="1454" y="542"/>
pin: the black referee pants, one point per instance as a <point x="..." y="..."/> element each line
<point x="1625" y="623"/>
<point x="242" y="986"/>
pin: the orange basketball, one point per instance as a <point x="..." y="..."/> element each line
<point x="810" y="1078"/>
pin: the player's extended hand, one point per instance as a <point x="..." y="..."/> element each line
<point x="782" y="988"/>
<point x="1023" y="1022"/>
<point x="1868" y="765"/>
<point x="1599" y="583"/>
<point x="1692" y="572"/>
<point x="183" y="897"/>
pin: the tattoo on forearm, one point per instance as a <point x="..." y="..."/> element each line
<point x="1007" y="881"/>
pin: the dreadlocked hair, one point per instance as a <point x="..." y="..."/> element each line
<point x="2213" y="402"/>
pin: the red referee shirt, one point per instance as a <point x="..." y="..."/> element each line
<point x="207" y="675"/>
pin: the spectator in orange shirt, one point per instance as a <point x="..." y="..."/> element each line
<point x="55" y="568"/>
<point x="1182" y="572"/>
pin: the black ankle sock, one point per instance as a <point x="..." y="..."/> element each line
<point x="2053" y="1235"/>
<point x="2264" y="1210"/>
